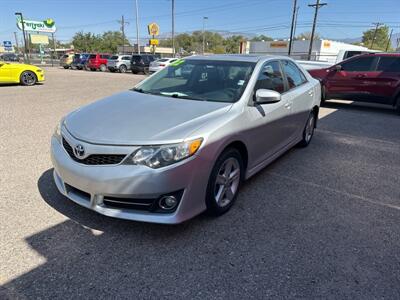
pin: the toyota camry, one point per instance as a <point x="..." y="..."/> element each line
<point x="182" y="141"/>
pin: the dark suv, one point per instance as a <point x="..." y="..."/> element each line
<point x="369" y="78"/>
<point x="141" y="63"/>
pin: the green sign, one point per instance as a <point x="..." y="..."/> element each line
<point x="48" y="25"/>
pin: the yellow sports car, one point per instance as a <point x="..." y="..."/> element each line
<point x="20" y="73"/>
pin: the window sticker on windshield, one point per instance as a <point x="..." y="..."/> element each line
<point x="177" y="62"/>
<point x="240" y="82"/>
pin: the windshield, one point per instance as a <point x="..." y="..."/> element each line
<point x="209" y="80"/>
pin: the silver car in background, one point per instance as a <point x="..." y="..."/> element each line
<point x="160" y="64"/>
<point x="183" y="140"/>
<point x="119" y="63"/>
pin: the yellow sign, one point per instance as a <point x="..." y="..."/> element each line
<point x="39" y="39"/>
<point x="278" y="44"/>
<point x="153" y="28"/>
<point x="154" y="42"/>
<point x="327" y="44"/>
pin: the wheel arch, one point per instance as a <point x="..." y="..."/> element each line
<point x="242" y="148"/>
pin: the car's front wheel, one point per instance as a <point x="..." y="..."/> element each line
<point x="123" y="69"/>
<point x="224" y="182"/>
<point x="308" y="131"/>
<point x="28" y="78"/>
<point x="103" y="68"/>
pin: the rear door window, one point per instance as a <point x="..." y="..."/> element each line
<point x="359" y="64"/>
<point x="92" y="56"/>
<point x="126" y="58"/>
<point x="389" y="64"/>
<point x="114" y="57"/>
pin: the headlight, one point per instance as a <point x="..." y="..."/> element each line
<point x="57" y="131"/>
<point x="163" y="155"/>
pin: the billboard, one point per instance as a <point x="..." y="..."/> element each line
<point x="39" y="39"/>
<point x="48" y="26"/>
<point x="153" y="29"/>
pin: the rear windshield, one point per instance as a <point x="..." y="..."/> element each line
<point x="162" y="60"/>
<point x="114" y="57"/>
<point x="136" y="57"/>
<point x="92" y="56"/>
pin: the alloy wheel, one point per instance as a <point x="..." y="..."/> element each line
<point x="310" y="128"/>
<point x="227" y="182"/>
<point x="28" y="78"/>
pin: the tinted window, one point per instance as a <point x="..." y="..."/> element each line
<point x="105" y="56"/>
<point x="293" y="74"/>
<point x="92" y="56"/>
<point x="359" y="64"/>
<point x="126" y="58"/>
<point x="114" y="57"/>
<point x="136" y="58"/>
<point x="271" y="78"/>
<point x="351" y="54"/>
<point x="389" y="64"/>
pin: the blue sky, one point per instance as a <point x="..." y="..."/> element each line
<point x="340" y="19"/>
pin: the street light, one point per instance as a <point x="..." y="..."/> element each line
<point x="204" y="38"/>
<point x="26" y="57"/>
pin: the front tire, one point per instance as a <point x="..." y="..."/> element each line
<point x="122" y="69"/>
<point x="224" y="182"/>
<point x="28" y="78"/>
<point x="308" y="131"/>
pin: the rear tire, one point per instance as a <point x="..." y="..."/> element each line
<point x="92" y="69"/>
<point x="134" y="72"/>
<point x="28" y="78"/>
<point x="308" y="131"/>
<point x="224" y="182"/>
<point x="66" y="67"/>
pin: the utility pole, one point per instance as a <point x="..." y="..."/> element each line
<point x="292" y="27"/>
<point x="26" y="56"/>
<point x="316" y="6"/>
<point x="173" y="28"/>
<point x="137" y="27"/>
<point x="375" y="32"/>
<point x="204" y="37"/>
<point x="389" y="40"/>
<point x="122" y="22"/>
<point x="16" y="41"/>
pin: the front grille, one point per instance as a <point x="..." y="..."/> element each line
<point x="94" y="159"/>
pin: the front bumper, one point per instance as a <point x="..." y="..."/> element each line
<point x="128" y="181"/>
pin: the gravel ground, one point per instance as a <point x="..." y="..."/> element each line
<point x="320" y="222"/>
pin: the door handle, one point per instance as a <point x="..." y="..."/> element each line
<point x="288" y="105"/>
<point x="310" y="92"/>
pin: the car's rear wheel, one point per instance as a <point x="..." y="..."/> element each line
<point x="28" y="78"/>
<point x="103" y="68"/>
<point x="66" y="67"/>
<point x="308" y="131"/>
<point x="123" y="68"/>
<point x="111" y="70"/>
<point x="92" y="69"/>
<point x="224" y="182"/>
<point x="146" y="71"/>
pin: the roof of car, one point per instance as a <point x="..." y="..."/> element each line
<point x="235" y="57"/>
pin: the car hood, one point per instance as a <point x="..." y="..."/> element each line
<point x="132" y="118"/>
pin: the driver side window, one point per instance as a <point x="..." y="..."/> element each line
<point x="270" y="78"/>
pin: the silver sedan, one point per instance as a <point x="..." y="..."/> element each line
<point x="183" y="140"/>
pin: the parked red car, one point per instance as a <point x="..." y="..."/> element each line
<point x="98" y="61"/>
<point x="369" y="78"/>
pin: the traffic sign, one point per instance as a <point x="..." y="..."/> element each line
<point x="7" y="45"/>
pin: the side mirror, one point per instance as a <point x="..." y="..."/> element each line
<point x="264" y="96"/>
<point x="338" y="68"/>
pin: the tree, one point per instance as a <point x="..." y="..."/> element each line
<point x="381" y="38"/>
<point x="90" y="42"/>
<point x="232" y="43"/>
<point x="261" y="38"/>
<point x="307" y="36"/>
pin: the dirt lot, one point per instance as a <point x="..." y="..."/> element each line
<point x="319" y="222"/>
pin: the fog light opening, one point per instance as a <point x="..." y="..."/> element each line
<point x="168" y="202"/>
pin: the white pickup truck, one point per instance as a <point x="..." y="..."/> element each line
<point x="342" y="55"/>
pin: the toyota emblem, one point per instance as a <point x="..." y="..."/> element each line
<point x="79" y="151"/>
